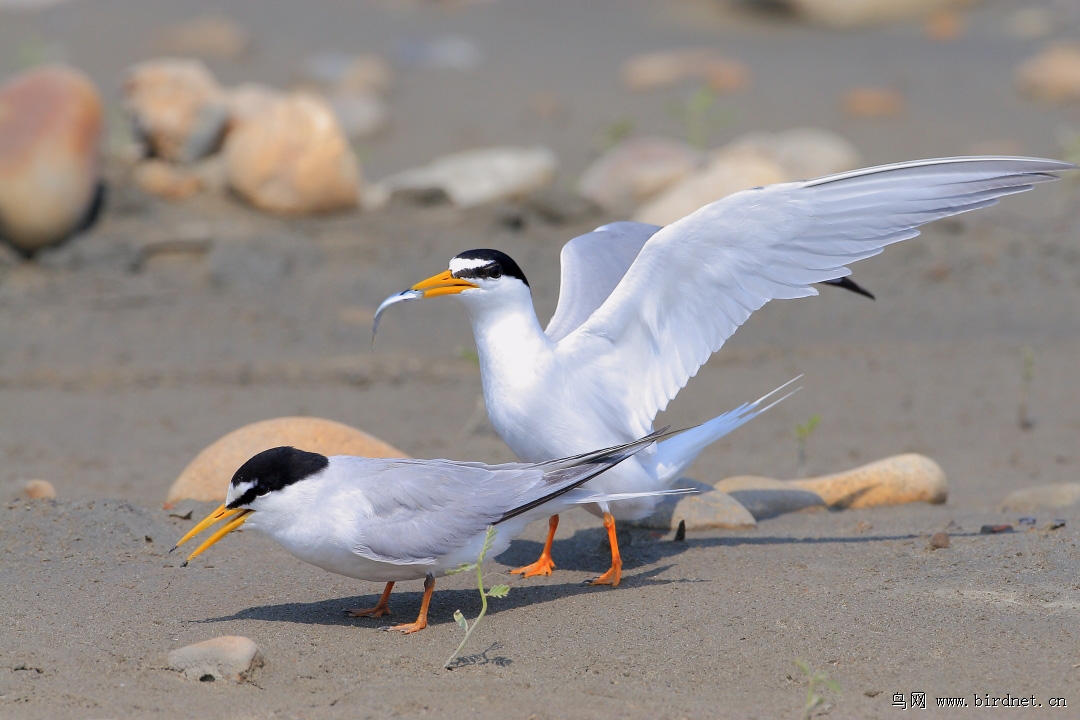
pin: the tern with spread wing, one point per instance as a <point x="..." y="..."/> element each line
<point x="401" y="519"/>
<point x="641" y="308"/>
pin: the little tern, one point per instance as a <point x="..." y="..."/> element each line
<point x="401" y="519"/>
<point x="641" y="308"/>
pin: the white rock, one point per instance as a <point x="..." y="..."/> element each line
<point x="1057" y="495"/>
<point x="637" y="170"/>
<point x="177" y="107"/>
<point x="726" y="174"/>
<point x="855" y="13"/>
<point x="50" y="144"/>
<point x="229" y="657"/>
<point x="293" y="158"/>
<point x="708" y="509"/>
<point x="803" y="153"/>
<point x="476" y="177"/>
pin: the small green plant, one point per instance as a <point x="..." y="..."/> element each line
<point x="802" y="434"/>
<point x="1023" y="411"/>
<point x="817" y="684"/>
<point x="616" y="131"/>
<point x="496" y="591"/>
<point x="700" y="116"/>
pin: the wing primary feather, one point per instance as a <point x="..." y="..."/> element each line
<point x="607" y="458"/>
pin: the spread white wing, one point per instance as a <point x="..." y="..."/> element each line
<point x="697" y="280"/>
<point x="592" y="266"/>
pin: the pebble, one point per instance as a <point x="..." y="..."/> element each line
<point x="477" y="177"/>
<point x="50" y="142"/>
<point x="207" y="477"/>
<point x="1052" y="76"/>
<point x="726" y="174"/>
<point x="939" y="541"/>
<point x="177" y="107"/>
<point x="207" y="36"/>
<point x="166" y="180"/>
<point x="708" y="509"/>
<point x="653" y="70"/>
<point x="293" y="158"/>
<point x="803" y="153"/>
<point x="39" y="490"/>
<point x="349" y="73"/>
<point x="873" y="102"/>
<point x="892" y="481"/>
<point x="995" y="529"/>
<point x="1056" y="495"/>
<point x="637" y="170"/>
<point x="858" y="13"/>
<point x="230" y="657"/>
<point x="766" y="498"/>
<point x="945" y="25"/>
<point x="360" y="114"/>
<point x="250" y="101"/>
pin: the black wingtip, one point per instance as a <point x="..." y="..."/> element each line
<point x="848" y="284"/>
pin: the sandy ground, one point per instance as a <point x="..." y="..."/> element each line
<point x="120" y="361"/>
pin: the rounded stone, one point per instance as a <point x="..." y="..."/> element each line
<point x="766" y="498"/>
<point x="207" y="477"/>
<point x="708" y="509"/>
<point x="230" y="657"/>
<point x="637" y="170"/>
<point x="477" y="177"/>
<point x="858" y="13"/>
<point x="1053" y="75"/>
<point x="50" y="138"/>
<point x="166" y="180"/>
<point x="177" y="106"/>
<point x="892" y="481"/>
<point x="1056" y="495"/>
<point x="873" y="102"/>
<point x="939" y="541"/>
<point x="726" y="174"/>
<point x="39" y="490"/>
<point x="292" y="158"/>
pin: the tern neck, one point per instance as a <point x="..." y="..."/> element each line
<point x="509" y="340"/>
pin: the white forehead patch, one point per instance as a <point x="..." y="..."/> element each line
<point x="236" y="491"/>
<point x="457" y="264"/>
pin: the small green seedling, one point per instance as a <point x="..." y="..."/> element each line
<point x="615" y="132"/>
<point x="496" y="591"/>
<point x="700" y="116"/>
<point x="802" y="434"/>
<point x="814" y="693"/>
<point x="1023" y="411"/>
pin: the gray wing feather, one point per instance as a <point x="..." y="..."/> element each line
<point x="591" y="267"/>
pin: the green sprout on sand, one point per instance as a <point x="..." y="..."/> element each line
<point x="496" y="591"/>
<point x="802" y="434"/>
<point x="817" y="684"/>
<point x="701" y="117"/>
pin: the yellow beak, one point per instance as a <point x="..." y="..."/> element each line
<point x="222" y="513"/>
<point x="442" y="284"/>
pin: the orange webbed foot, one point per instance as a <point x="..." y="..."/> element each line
<point x="543" y="566"/>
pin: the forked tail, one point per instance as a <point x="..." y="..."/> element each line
<point x="676" y="454"/>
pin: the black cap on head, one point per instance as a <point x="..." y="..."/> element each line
<point x="485" y="264"/>
<point x="275" y="469"/>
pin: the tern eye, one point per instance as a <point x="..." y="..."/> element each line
<point x="494" y="272"/>
<point x="261" y="490"/>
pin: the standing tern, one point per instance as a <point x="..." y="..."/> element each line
<point x="401" y="519"/>
<point x="641" y="308"/>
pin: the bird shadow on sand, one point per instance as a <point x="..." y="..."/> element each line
<point x="585" y="551"/>
<point x="406" y="603"/>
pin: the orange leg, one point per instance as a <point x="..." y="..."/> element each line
<point x="544" y="565"/>
<point x="614" y="575"/>
<point x="421" y="619"/>
<point x="383" y="608"/>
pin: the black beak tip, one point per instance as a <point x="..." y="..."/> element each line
<point x="183" y="564"/>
